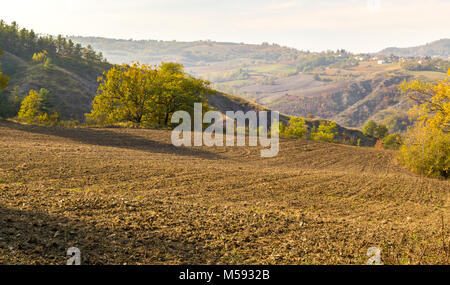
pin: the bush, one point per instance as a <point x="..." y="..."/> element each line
<point x="326" y="132"/>
<point x="427" y="151"/>
<point x="296" y="128"/>
<point x="393" y="141"/>
<point x="369" y="128"/>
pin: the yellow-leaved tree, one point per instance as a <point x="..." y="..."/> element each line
<point x="140" y="93"/>
<point x="426" y="148"/>
<point x="35" y="109"/>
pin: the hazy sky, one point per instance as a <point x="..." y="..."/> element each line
<point x="356" y="25"/>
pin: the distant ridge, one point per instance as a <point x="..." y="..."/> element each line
<point x="440" y="48"/>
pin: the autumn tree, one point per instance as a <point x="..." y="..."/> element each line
<point x="427" y="145"/>
<point x="42" y="58"/>
<point x="326" y="132"/>
<point x="296" y="128"/>
<point x="140" y="93"/>
<point x="36" y="108"/>
<point x="29" y="110"/>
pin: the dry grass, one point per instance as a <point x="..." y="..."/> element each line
<point x="129" y="196"/>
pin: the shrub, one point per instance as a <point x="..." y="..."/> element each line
<point x="427" y="151"/>
<point x="369" y="128"/>
<point x="326" y="132"/>
<point x="393" y="141"/>
<point x="296" y="128"/>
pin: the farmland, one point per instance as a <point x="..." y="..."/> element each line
<point x="127" y="196"/>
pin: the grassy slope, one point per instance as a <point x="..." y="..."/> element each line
<point x="72" y="90"/>
<point x="129" y="196"/>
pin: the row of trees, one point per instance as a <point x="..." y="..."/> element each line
<point x="25" y="43"/>
<point x="436" y="64"/>
<point x="381" y="133"/>
<point x="297" y="128"/>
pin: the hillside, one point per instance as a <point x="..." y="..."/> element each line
<point x="72" y="72"/>
<point x="129" y="196"/>
<point x="68" y="70"/>
<point x="72" y="93"/>
<point x="440" y="48"/>
<point x="335" y="85"/>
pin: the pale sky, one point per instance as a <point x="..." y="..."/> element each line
<point x="316" y="25"/>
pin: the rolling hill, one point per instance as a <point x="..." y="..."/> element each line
<point x="350" y="89"/>
<point x="72" y="75"/>
<point x="440" y="48"/>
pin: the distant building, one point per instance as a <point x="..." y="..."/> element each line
<point x="381" y="62"/>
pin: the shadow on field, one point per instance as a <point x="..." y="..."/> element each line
<point x="38" y="238"/>
<point x="112" y="139"/>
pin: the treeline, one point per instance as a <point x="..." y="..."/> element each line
<point x="62" y="52"/>
<point x="53" y="63"/>
<point x="25" y="43"/>
<point x="427" y="64"/>
<point x="338" y="59"/>
<point x="326" y="131"/>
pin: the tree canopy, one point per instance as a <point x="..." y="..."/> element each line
<point x="141" y="93"/>
<point x="427" y="146"/>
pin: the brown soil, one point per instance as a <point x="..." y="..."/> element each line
<point x="126" y="196"/>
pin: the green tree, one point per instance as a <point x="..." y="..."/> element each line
<point x="380" y="131"/>
<point x="46" y="105"/>
<point x="369" y="128"/>
<point x="142" y="94"/>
